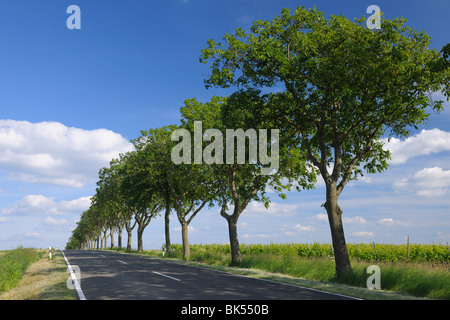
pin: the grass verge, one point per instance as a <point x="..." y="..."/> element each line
<point x="13" y="265"/>
<point x="45" y="279"/>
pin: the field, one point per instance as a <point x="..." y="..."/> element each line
<point x="363" y="252"/>
<point x="418" y="270"/>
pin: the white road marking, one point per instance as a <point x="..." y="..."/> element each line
<point x="122" y="261"/>
<point x="166" y="276"/>
<point x="74" y="279"/>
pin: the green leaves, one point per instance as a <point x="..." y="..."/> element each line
<point x="344" y="86"/>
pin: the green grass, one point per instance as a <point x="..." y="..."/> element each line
<point x="44" y="279"/>
<point x="13" y="265"/>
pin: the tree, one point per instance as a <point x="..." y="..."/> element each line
<point x="87" y="230"/>
<point x="139" y="191"/>
<point x="109" y="198"/>
<point x="110" y="192"/>
<point x="154" y="146"/>
<point x="152" y="173"/>
<point x="192" y="186"/>
<point x="241" y="180"/>
<point x="342" y="87"/>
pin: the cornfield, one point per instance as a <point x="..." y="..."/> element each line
<point x="436" y="253"/>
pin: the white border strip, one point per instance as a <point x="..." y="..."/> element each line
<point x="74" y="279"/>
<point x="164" y="275"/>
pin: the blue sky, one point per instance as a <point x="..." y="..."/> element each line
<point x="70" y="100"/>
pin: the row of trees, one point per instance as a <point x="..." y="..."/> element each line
<point x="146" y="183"/>
<point x="333" y="89"/>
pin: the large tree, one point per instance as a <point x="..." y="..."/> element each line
<point x="341" y="88"/>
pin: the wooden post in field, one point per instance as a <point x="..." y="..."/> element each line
<point x="407" y="247"/>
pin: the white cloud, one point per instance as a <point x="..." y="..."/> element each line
<point x="50" y="152"/>
<point x="32" y="235"/>
<point x="320" y="217"/>
<point x="53" y="221"/>
<point x="303" y="228"/>
<point x="296" y="230"/>
<point x="41" y="205"/>
<point x="428" y="182"/>
<point x="363" y="234"/>
<point x="275" y="208"/>
<point x="243" y="224"/>
<point x="259" y="235"/>
<point x="348" y="220"/>
<point x="190" y="229"/>
<point x="365" y="179"/>
<point x="423" y="143"/>
<point x="354" y="220"/>
<point x="392" y="223"/>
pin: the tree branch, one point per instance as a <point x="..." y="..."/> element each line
<point x="354" y="161"/>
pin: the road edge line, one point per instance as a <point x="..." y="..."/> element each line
<point x="76" y="284"/>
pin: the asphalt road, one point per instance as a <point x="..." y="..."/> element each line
<point x="109" y="275"/>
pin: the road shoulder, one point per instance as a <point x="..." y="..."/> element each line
<point x="45" y="279"/>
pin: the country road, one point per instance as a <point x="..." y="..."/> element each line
<point x="109" y="275"/>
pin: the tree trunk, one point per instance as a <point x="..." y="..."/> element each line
<point x="167" y="230"/>
<point x="129" y="241"/>
<point x="111" y="232"/>
<point x="119" y="237"/>
<point x="337" y="230"/>
<point x="236" y="257"/>
<point x="129" y="229"/>
<point x="140" y="232"/>
<point x="184" y="236"/>
<point x="104" y="238"/>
